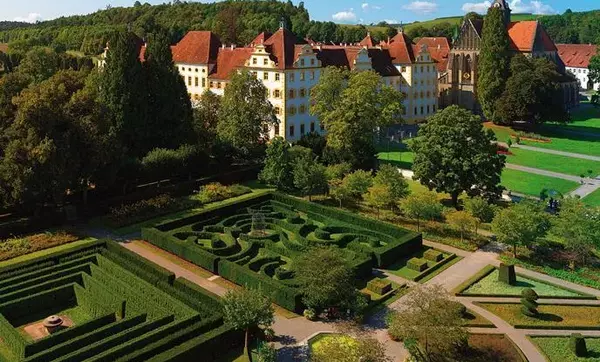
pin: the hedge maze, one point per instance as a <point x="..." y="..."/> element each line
<point x="255" y="242"/>
<point x="123" y="308"/>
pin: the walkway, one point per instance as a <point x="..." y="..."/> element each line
<point x="558" y="153"/>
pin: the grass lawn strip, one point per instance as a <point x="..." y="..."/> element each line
<point x="551" y="316"/>
<point x="490" y="285"/>
<point x="555" y="163"/>
<point x="556" y="349"/>
<point x="592" y="199"/>
<point x="532" y="184"/>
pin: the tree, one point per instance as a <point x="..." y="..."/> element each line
<point x="169" y="120"/>
<point x="247" y="308"/>
<point x="358" y="183"/>
<point x="492" y="68"/>
<point x="389" y="176"/>
<point x="338" y="190"/>
<point x="352" y="106"/>
<point x="246" y="114"/>
<point x="594" y="69"/>
<point x="578" y="227"/>
<point x="520" y="224"/>
<point x="278" y="170"/>
<point x="462" y="221"/>
<point x="11" y="85"/>
<point x="206" y="118"/>
<point x="338" y="171"/>
<point x="126" y="101"/>
<point x="309" y="177"/>
<point x="378" y="197"/>
<point x="529" y="301"/>
<point x="421" y="205"/>
<point x="481" y="209"/>
<point x="325" y="279"/>
<point x="315" y="142"/>
<point x="455" y="154"/>
<point x="39" y="64"/>
<point x="533" y="93"/>
<point x="431" y="320"/>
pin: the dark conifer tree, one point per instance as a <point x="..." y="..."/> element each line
<point x="494" y="62"/>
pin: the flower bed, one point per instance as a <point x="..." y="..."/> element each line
<point x="11" y="248"/>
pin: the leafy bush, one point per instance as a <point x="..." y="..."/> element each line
<point x="163" y="163"/>
<point x="529" y="302"/>
<point x="433" y="255"/>
<point x="417" y="264"/>
<point x="310" y="314"/>
<point x="322" y="234"/>
<point x="216" y="192"/>
<point x="379" y="286"/>
<point x="11" y="248"/>
<point x="128" y="214"/>
<point x="577" y="345"/>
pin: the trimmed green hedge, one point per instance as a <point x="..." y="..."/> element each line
<point x="434" y="267"/>
<point x="379" y="286"/>
<point x="196" y="297"/>
<point x="151" y="270"/>
<point x="484" y="272"/>
<point x="433" y="255"/>
<point x="417" y="264"/>
<point x="279" y="293"/>
<point x="12" y="337"/>
<point x="35" y="303"/>
<point x="38" y="288"/>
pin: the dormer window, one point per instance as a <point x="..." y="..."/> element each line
<point x="254" y="61"/>
<point x="265" y="61"/>
<point x="301" y="62"/>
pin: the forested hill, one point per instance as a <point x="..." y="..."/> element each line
<point x="574" y="28"/>
<point x="7" y="25"/>
<point x="236" y="22"/>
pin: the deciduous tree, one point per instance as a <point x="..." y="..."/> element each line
<point x="462" y="221"/>
<point x="278" y="169"/>
<point x="358" y="183"/>
<point x="309" y="177"/>
<point x="481" y="209"/>
<point x="378" y="197"/>
<point x="421" y="206"/>
<point x="389" y="176"/>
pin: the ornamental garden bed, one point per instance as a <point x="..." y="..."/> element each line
<point x="254" y="242"/>
<point x="18" y="246"/>
<point x="486" y="283"/>
<point x="114" y="304"/>
<point x="557" y="349"/>
<point x="423" y="264"/>
<point x="493" y="347"/>
<point x="551" y="316"/>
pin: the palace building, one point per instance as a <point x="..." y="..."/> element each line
<point x="458" y="84"/>
<point x="577" y="60"/>
<point x="290" y="67"/>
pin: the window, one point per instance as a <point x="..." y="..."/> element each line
<point x="292" y="110"/>
<point x="218" y="85"/>
<point x="265" y="61"/>
<point x="255" y="74"/>
<point x="428" y="109"/>
<point x="321" y="126"/>
<point x="276" y="93"/>
<point x="277" y="129"/>
<point x="422" y="108"/>
<point x="292" y="93"/>
<point x="312" y="75"/>
<point x="277" y="110"/>
<point x="302" y="129"/>
<point x="312" y="61"/>
<point x="292" y="77"/>
<point x="265" y="76"/>
<point x="421" y="69"/>
<point x="190" y="69"/>
<point x="196" y="70"/>
<point x="196" y="81"/>
<point x="190" y="81"/>
<point x="428" y="94"/>
<point x="277" y="77"/>
<point x="434" y="107"/>
<point x="312" y="127"/>
<point x="301" y="62"/>
<point x="302" y="109"/>
<point x="203" y="70"/>
<point x="302" y="76"/>
<point x="403" y="69"/>
<point x="292" y="131"/>
<point x="183" y="69"/>
<point x="267" y="93"/>
<point x="302" y="92"/>
<point x="203" y="82"/>
<point x="416" y="111"/>
<point x="254" y="61"/>
<point x="212" y="84"/>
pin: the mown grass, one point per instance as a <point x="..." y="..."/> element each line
<point x="492" y="286"/>
<point x="532" y="184"/>
<point x="401" y="159"/>
<point x="548" y="315"/>
<point x="592" y="199"/>
<point x="555" y="163"/>
<point x="556" y="349"/>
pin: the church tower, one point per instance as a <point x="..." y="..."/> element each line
<point x="503" y="5"/>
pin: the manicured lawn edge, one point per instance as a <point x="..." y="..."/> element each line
<point x="487" y="270"/>
<point x="434" y="268"/>
<point x="566" y="337"/>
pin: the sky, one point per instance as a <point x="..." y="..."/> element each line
<point x="339" y="11"/>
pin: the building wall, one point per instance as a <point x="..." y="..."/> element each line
<point x="582" y="75"/>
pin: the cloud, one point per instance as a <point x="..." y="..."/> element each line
<point x="367" y="7"/>
<point x="30" y="18"/>
<point x="480" y="8"/>
<point x="345" y="16"/>
<point x="534" y="7"/>
<point x="421" y="7"/>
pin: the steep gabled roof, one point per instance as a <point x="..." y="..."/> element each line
<point x="381" y="62"/>
<point x="282" y="46"/>
<point x="576" y="55"/>
<point x="228" y="61"/>
<point x="439" y="48"/>
<point x="367" y="41"/>
<point x="197" y="47"/>
<point x="478" y="26"/>
<point x="400" y="49"/>
<point x="523" y="36"/>
<point x="261" y="38"/>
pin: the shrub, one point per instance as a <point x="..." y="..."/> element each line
<point x="310" y="314"/>
<point x="417" y="264"/>
<point x="214" y="192"/>
<point x="322" y="234"/>
<point x="128" y="214"/>
<point x="433" y="255"/>
<point x="13" y="247"/>
<point x="577" y="345"/>
<point x="507" y="274"/>
<point x="282" y="273"/>
<point x="460" y="308"/>
<point x="529" y="301"/>
<point x="379" y="286"/>
<point x="164" y="163"/>
<point x="267" y="353"/>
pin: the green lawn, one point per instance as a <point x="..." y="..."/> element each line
<point x="554" y="163"/>
<point x="531" y="184"/>
<point x="491" y="285"/>
<point x="559" y="316"/>
<point x="402" y="159"/>
<point x="401" y="269"/>
<point x="592" y="199"/>
<point x="556" y="349"/>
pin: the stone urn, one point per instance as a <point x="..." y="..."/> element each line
<point x="53" y="323"/>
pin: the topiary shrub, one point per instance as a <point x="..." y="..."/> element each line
<point x="417" y="264"/>
<point x="459" y="307"/>
<point x="529" y="301"/>
<point x="310" y="314"/>
<point x="379" y="286"/>
<point x="577" y="345"/>
<point x="507" y="274"/>
<point x="433" y="255"/>
<point x="322" y="234"/>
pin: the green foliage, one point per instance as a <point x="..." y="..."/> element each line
<point x="481" y="209"/>
<point x="594" y="71"/>
<point x="433" y="255"/>
<point x="529" y="301"/>
<point x="389" y="176"/>
<point x="278" y="169"/>
<point x="128" y="214"/>
<point x="206" y="118"/>
<point x="267" y="353"/>
<point x="507" y="274"/>
<point x="338" y="171"/>
<point x="379" y="286"/>
<point x="309" y="176"/>
<point x="214" y="192"/>
<point x="378" y="197"/>
<point x="162" y="163"/>
<point x="492" y="67"/>
<point x="577" y="345"/>
<point x="462" y="221"/>
<point x="421" y="206"/>
<point x="455" y="154"/>
<point x="417" y="264"/>
<point x="247" y="308"/>
<point x="358" y="183"/>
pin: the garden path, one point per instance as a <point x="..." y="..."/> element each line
<point x="556" y="152"/>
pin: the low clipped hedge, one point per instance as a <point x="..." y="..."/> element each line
<point x="433" y="255"/>
<point x="484" y="272"/>
<point x="280" y="294"/>
<point x="434" y="267"/>
<point x="151" y="271"/>
<point x="379" y="286"/>
<point x="196" y="297"/>
<point x="12" y="337"/>
<point x="417" y="264"/>
<point x="35" y="303"/>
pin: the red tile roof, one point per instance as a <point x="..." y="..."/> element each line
<point x="439" y="48"/>
<point x="400" y="49"/>
<point x="367" y="41"/>
<point x="282" y="46"/>
<point x="260" y="38"/>
<point x="576" y="55"/>
<point x="523" y="35"/>
<point x="197" y="47"/>
<point x="228" y="61"/>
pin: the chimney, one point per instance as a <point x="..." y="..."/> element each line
<point x="232" y="46"/>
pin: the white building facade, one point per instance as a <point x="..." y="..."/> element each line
<point x="577" y="60"/>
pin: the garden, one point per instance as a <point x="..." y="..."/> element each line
<point x="99" y="301"/>
<point x="423" y="264"/>
<point x="256" y="242"/>
<point x="17" y="246"/>
<point x="561" y="348"/>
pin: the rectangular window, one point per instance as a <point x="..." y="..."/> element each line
<point x="203" y="82"/>
<point x="321" y="126"/>
<point x="218" y="85"/>
<point x="292" y="77"/>
<point x="302" y="129"/>
<point x="302" y="76"/>
<point x="196" y="82"/>
<point x="255" y="74"/>
<point x="312" y="75"/>
<point x="312" y="61"/>
<point x="277" y="129"/>
<point x="266" y="76"/>
<point x="277" y="77"/>
<point x="291" y="131"/>
<point x="292" y="94"/>
<point x="277" y="110"/>
<point x="422" y="109"/>
<point x="254" y="61"/>
<point x="312" y="126"/>
<point x="428" y="109"/>
<point x="190" y="81"/>
<point x="212" y="84"/>
<point x="416" y="111"/>
<point x="403" y="69"/>
<point x="265" y="61"/>
<point x="301" y="62"/>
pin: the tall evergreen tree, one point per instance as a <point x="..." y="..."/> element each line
<point x="169" y="121"/>
<point x="124" y="92"/>
<point x="494" y="61"/>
